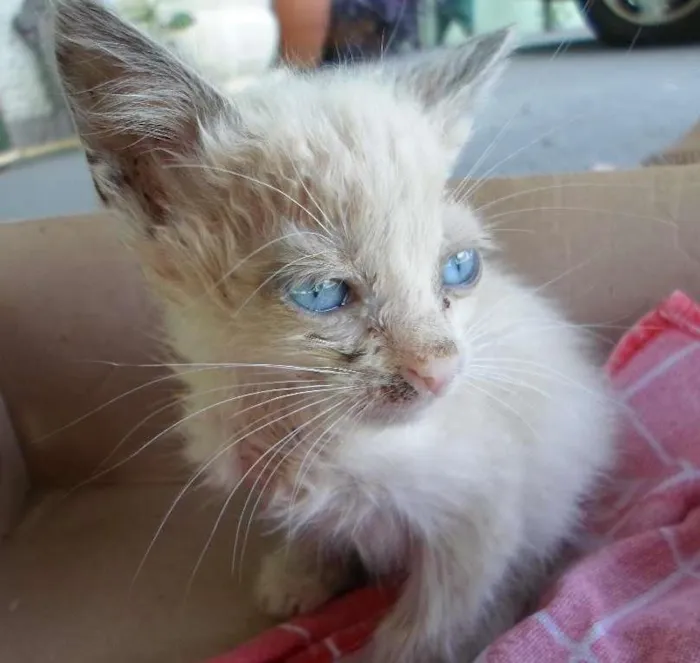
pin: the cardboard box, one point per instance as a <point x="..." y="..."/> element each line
<point x="685" y="151"/>
<point x="13" y="475"/>
<point x="76" y="321"/>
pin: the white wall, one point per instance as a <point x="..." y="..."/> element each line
<point x="21" y="93"/>
<point x="230" y="39"/>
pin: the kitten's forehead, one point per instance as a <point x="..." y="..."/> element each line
<point x="353" y="141"/>
<point x="367" y="163"/>
<point x="360" y="170"/>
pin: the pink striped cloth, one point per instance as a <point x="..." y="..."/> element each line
<point x="635" y="596"/>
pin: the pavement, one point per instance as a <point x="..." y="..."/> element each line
<point x="583" y="106"/>
<point x="560" y="107"/>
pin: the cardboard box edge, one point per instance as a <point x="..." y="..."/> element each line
<point x="13" y="474"/>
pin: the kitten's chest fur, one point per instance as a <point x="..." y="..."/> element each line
<point x="512" y="463"/>
<point x="375" y="490"/>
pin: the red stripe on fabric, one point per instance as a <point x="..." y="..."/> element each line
<point x="273" y="646"/>
<point x="678" y="310"/>
<point x="683" y="312"/>
<point x="349" y="609"/>
<point x="350" y="620"/>
<point x="346" y="641"/>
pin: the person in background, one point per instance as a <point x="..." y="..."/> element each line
<point x="460" y="12"/>
<point x="365" y="29"/>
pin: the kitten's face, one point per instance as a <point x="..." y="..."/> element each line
<point x="361" y="263"/>
<point x="305" y="223"/>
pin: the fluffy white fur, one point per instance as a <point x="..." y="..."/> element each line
<point x="342" y="174"/>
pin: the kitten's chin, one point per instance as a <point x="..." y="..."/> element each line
<point x="385" y="410"/>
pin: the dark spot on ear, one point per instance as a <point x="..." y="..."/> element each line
<point x="446" y="303"/>
<point x="100" y="193"/>
<point x="137" y="176"/>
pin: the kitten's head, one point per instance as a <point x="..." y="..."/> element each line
<point x="305" y="222"/>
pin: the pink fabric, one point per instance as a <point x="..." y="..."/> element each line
<point x="635" y="596"/>
<point x="340" y="627"/>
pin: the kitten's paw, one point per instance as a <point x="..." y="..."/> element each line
<point x="286" y="587"/>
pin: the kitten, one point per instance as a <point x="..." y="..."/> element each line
<point x="399" y="396"/>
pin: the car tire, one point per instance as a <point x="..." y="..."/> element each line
<point x="616" y="30"/>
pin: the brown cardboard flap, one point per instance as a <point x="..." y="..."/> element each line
<point x="70" y="592"/>
<point x="13" y="475"/>
<point x="75" y="320"/>
<point x="685" y="151"/>
<point x="608" y="245"/>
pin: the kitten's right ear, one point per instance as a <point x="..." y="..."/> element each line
<point x="137" y="108"/>
<point x="448" y="82"/>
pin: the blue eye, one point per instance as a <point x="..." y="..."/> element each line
<point x="320" y="297"/>
<point x="462" y="269"/>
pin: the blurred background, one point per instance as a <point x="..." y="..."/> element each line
<point x="594" y="84"/>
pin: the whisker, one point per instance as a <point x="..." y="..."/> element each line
<point x="533" y="325"/>
<point x="384" y="48"/>
<point x="251" y="179"/>
<point x="227" y="447"/>
<point x="554" y="187"/>
<point x="178" y="400"/>
<point x="524" y="231"/>
<point x="225" y="507"/>
<point x="297" y="484"/>
<point x="464" y="184"/>
<point x="223" y="365"/>
<point x="479" y="330"/>
<point x="301" y="474"/>
<point x="571" y="325"/>
<point x="238" y="264"/>
<point x="111" y="401"/>
<point x="315" y="202"/>
<point x="271" y="277"/>
<point x="190" y="416"/>
<point x="278" y="445"/>
<point x="261" y="492"/>
<point x="507" y="406"/>
<point x="511" y="364"/>
<point x="592" y="210"/>
<point x="480" y="181"/>
<point x="584" y="328"/>
<point x="363" y="405"/>
<point x="488" y="374"/>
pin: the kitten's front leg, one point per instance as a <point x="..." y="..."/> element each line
<point x="445" y="613"/>
<point x="296" y="578"/>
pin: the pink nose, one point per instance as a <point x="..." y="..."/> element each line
<point x="433" y="375"/>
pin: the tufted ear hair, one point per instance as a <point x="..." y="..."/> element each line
<point x="136" y="106"/>
<point x="450" y="81"/>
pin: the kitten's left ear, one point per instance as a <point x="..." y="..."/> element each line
<point x="449" y="81"/>
<point x="137" y="108"/>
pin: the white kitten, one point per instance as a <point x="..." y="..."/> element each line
<point x="398" y="396"/>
